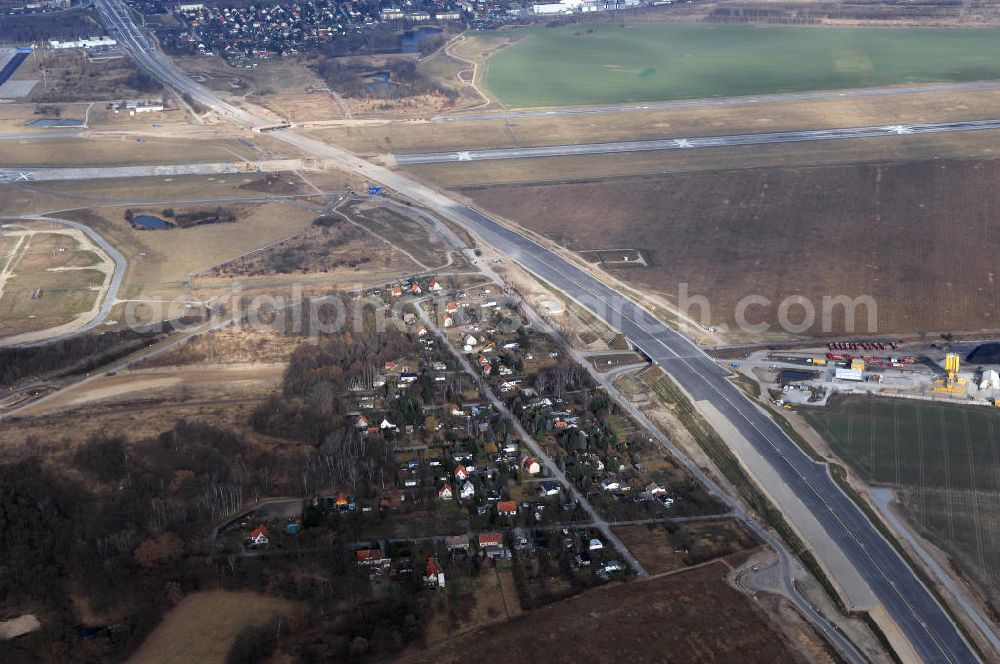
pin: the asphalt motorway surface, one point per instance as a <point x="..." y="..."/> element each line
<point x="930" y="630"/>
<point x="695" y="142"/>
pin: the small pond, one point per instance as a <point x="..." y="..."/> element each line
<point x="150" y="222"/>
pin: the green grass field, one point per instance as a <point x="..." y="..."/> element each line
<point x="571" y="65"/>
<point x="945" y="461"/>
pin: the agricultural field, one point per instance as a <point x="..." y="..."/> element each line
<point x="944" y="461"/>
<point x="605" y="63"/>
<point x="694" y="612"/>
<point x="915" y="236"/>
<point x="206" y="624"/>
<point x="48" y="279"/>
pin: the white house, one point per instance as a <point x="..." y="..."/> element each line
<point x="467" y="491"/>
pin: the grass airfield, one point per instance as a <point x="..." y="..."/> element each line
<point x="608" y="63"/>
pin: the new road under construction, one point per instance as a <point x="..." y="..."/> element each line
<point x="866" y="568"/>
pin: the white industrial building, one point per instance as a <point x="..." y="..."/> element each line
<point x="92" y="42"/>
<point x="990" y="380"/>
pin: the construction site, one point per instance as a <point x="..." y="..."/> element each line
<point x="931" y="371"/>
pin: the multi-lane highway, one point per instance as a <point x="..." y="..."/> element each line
<point x="921" y="620"/>
<point x="784" y="97"/>
<point x="694" y="142"/>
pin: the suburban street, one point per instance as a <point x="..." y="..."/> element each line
<point x="895" y="587"/>
<point x="694" y="142"/>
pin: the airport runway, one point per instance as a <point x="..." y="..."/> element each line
<point x="694" y="142"/>
<point x="29" y="174"/>
<point x="783" y="97"/>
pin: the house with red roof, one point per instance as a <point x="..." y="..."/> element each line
<point x="530" y="465"/>
<point x="507" y="508"/>
<point x="433" y="575"/>
<point x="260" y="535"/>
<point x="491" y="545"/>
<point x="371" y="558"/>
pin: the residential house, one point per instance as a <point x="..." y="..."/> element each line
<point x="457" y="543"/>
<point x="467" y="491"/>
<point x="433" y="286"/>
<point x="653" y="488"/>
<point x="395" y="291"/>
<point x="386" y="425"/>
<point x="445" y="492"/>
<point x="491" y="545"/>
<point x="371" y="558"/>
<point x="507" y="508"/>
<point x="449" y="321"/>
<point x="548" y="489"/>
<point x="362" y="422"/>
<point x="530" y="465"/>
<point x="595" y="544"/>
<point x="433" y="576"/>
<point x="461" y="474"/>
<point x="260" y="535"/>
<point x="415" y="289"/>
<point x="611" y="484"/>
<point x="451" y="308"/>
